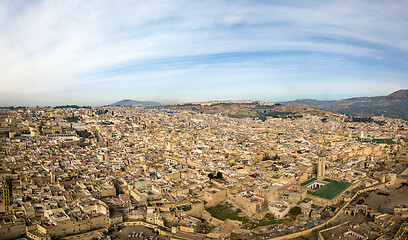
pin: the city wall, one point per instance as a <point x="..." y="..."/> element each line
<point x="338" y="212"/>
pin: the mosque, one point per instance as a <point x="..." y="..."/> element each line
<point x="325" y="191"/>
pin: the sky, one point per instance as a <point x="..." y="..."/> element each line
<point x="99" y="52"/>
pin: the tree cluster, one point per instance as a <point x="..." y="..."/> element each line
<point x="217" y="176"/>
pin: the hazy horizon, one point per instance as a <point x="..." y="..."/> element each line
<point x="287" y="99"/>
<point x="96" y="53"/>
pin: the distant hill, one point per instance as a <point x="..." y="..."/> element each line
<point x="72" y="106"/>
<point x="394" y="105"/>
<point x="129" y="102"/>
<point x="250" y="109"/>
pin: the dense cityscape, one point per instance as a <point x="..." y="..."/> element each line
<point x="201" y="120"/>
<point x="167" y="172"/>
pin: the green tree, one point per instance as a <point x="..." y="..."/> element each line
<point x="293" y="212"/>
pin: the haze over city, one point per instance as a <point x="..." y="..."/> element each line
<point x="99" y="52"/>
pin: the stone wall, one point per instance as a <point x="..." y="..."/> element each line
<point x="338" y="212"/>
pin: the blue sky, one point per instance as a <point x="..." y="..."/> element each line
<point x="98" y="52"/>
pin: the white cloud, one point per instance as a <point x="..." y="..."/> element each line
<point x="52" y="46"/>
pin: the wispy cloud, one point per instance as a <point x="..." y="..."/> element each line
<point x="57" y="52"/>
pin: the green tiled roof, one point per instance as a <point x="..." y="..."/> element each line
<point x="308" y="181"/>
<point x="331" y="190"/>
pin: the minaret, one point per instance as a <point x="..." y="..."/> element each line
<point x="320" y="168"/>
<point x="168" y="146"/>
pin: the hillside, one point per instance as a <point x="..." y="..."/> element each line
<point x="252" y="109"/>
<point x="394" y="105"/>
<point x="129" y="102"/>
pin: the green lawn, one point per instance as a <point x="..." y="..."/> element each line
<point x="224" y="212"/>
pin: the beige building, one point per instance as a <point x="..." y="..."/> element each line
<point x="12" y="227"/>
<point x="292" y="193"/>
<point x="214" y="196"/>
<point x="86" y="217"/>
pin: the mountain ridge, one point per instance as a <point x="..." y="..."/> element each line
<point x="394" y="105"/>
<point x="130" y="102"/>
